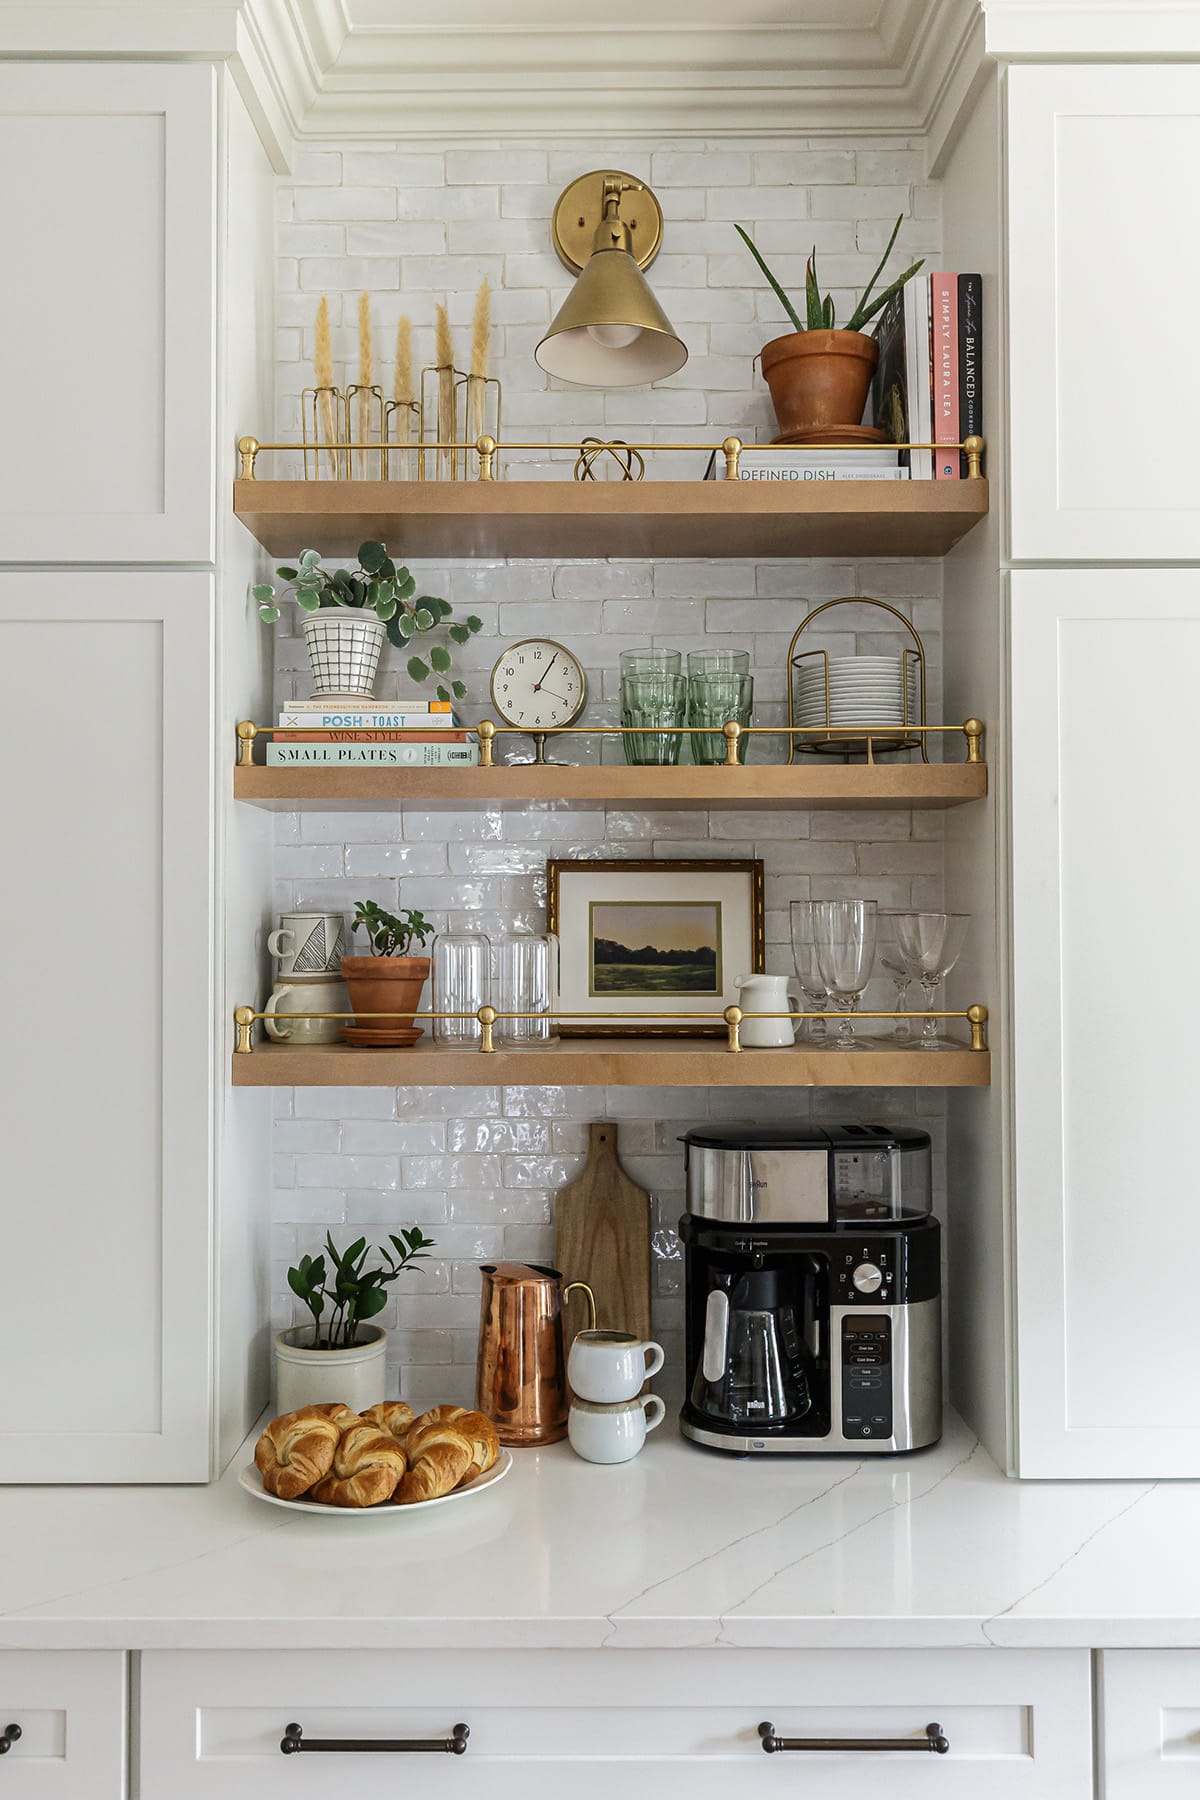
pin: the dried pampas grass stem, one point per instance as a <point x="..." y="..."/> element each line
<point x="481" y="341"/>
<point x="323" y="374"/>
<point x="447" y="461"/>
<point x="366" y="374"/>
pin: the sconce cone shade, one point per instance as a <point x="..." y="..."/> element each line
<point x="610" y="331"/>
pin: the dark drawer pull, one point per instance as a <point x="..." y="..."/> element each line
<point x="294" y="1740"/>
<point x="933" y="1740"/>
<point x="8" y="1738"/>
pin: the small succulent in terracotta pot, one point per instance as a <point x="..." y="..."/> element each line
<point x="819" y="374"/>
<point x="389" y="980"/>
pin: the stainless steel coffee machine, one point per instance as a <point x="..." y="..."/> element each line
<point x="813" y="1290"/>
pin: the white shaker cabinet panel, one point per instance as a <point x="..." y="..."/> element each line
<point x="641" y="1724"/>
<point x="108" y="220"/>
<point x="1103" y="270"/>
<point x="69" y="1707"/>
<point x="1106" y="864"/>
<point x="1149" y="1737"/>
<point x="106" y="912"/>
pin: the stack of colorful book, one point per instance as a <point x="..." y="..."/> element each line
<point x="346" y="728"/>
<point x="928" y="387"/>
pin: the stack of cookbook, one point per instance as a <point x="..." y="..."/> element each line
<point x="348" y="728"/>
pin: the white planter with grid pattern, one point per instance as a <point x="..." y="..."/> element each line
<point x="344" y="649"/>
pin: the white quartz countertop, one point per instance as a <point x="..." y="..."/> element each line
<point x="680" y="1548"/>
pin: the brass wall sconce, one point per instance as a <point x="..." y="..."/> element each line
<point x="610" y="331"/>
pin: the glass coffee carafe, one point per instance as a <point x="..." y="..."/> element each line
<point x="754" y="1369"/>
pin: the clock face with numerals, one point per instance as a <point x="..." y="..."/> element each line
<point x="537" y="683"/>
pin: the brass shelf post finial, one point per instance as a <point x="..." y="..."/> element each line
<point x="243" y="1018"/>
<point x="732" y="448"/>
<point x="248" y="450"/>
<point x="247" y="731"/>
<point x="973" y="448"/>
<point x="973" y="731"/>
<point x="487" y="737"/>
<point x="733" y="1018"/>
<point x="733" y="732"/>
<point x="487" y="1019"/>
<point x="977" y="1018"/>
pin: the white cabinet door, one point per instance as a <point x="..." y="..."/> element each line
<point x="69" y="1707"/>
<point x="108" y="219"/>
<point x="106" y="919"/>
<point x="642" y="1724"/>
<point x="1103" y="272"/>
<point x="1149" y="1723"/>
<point x="1106" y="865"/>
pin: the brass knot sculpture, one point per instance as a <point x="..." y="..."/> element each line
<point x="631" y="462"/>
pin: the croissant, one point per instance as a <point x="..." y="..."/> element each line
<point x="342" y="1415"/>
<point x="437" y="1463"/>
<point x="475" y="1426"/>
<point x="392" y="1416"/>
<point x="295" y="1451"/>
<point x="367" y="1465"/>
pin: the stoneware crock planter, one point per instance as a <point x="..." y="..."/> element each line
<point x="384" y="984"/>
<point x="308" y="1377"/>
<point x="819" y="379"/>
<point x="344" y="647"/>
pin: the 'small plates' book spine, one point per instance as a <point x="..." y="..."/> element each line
<point x="409" y="756"/>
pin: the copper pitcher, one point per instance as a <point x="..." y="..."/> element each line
<point x="521" y="1381"/>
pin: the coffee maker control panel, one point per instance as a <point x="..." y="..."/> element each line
<point x="866" y="1375"/>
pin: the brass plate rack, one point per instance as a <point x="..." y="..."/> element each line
<point x="245" y="1018"/>
<point x="839" y="740"/>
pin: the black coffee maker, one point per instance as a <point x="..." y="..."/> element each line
<point x="813" y="1309"/>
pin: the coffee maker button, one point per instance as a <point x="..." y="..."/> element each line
<point x="868" y="1278"/>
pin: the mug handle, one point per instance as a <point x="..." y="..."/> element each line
<point x="270" y="1024"/>
<point x="648" y="1404"/>
<point x="275" y="945"/>
<point x="655" y="1356"/>
<point x="582" y="1288"/>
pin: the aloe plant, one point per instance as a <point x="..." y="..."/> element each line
<point x="819" y="312"/>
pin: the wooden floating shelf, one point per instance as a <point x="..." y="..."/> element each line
<point x="608" y="1062"/>
<point x="609" y="518"/>
<point x="812" y="785"/>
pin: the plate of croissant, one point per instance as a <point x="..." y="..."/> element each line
<point x="329" y="1459"/>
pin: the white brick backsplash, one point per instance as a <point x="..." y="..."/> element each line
<point x="477" y="1167"/>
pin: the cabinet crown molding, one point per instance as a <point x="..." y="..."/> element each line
<point x="320" y="70"/>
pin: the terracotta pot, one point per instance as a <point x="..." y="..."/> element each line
<point x="386" y="984"/>
<point x="819" y="379"/>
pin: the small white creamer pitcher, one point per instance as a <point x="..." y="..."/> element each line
<point x="768" y="994"/>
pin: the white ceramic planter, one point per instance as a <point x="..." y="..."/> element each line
<point x="344" y="647"/>
<point x="307" y="1377"/>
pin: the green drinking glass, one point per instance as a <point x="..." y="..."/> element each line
<point x="713" y="701"/>
<point x="653" y="702"/>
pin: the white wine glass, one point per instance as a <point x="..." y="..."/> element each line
<point x="804" y="954"/>
<point x="930" y="945"/>
<point x="902" y="979"/>
<point x="845" y="932"/>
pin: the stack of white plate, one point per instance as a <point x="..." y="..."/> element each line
<point x="863" y="690"/>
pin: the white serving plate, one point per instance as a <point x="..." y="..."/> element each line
<point x="251" y="1481"/>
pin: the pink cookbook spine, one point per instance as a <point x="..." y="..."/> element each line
<point x="944" y="293"/>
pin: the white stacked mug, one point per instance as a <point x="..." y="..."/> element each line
<point x="609" y="1416"/>
<point x="308" y="948"/>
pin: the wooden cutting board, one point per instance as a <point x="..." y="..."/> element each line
<point x="602" y="1226"/>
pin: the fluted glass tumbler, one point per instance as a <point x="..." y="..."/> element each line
<point x="526" y="984"/>
<point x="462" y="983"/>
<point x="657" y="703"/>
<point x="713" y="700"/>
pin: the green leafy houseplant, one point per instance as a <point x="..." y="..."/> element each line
<point x="391" y="934"/>
<point x="819" y="373"/>
<point x="352" y="1292"/>
<point x="376" y="584"/>
<point x="819" y="311"/>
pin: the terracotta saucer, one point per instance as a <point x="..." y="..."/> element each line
<point x="845" y="437"/>
<point x="383" y="1037"/>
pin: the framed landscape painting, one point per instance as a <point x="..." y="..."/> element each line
<point x="653" y="948"/>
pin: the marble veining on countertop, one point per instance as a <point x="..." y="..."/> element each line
<point x="679" y="1548"/>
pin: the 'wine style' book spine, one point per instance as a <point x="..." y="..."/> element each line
<point x="943" y="288"/>
<point x="970" y="366"/>
<point x="369" y="736"/>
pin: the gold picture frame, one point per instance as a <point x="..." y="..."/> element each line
<point x="587" y="900"/>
